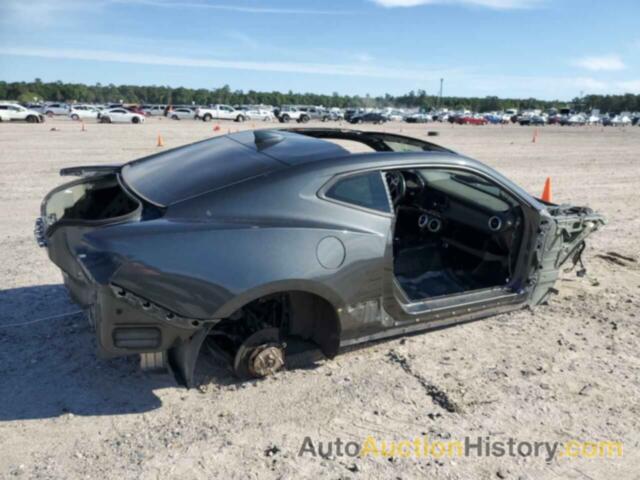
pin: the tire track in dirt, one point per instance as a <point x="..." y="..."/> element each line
<point x="438" y="396"/>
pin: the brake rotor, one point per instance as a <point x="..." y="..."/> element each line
<point x="260" y="355"/>
<point x="266" y="360"/>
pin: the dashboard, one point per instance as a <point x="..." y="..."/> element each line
<point x="443" y="197"/>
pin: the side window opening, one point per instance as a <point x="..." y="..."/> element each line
<point x="364" y="190"/>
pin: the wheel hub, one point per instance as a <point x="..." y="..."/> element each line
<point x="260" y="355"/>
<point x="266" y="360"/>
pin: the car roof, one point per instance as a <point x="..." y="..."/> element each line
<point x="383" y="157"/>
<point x="224" y="160"/>
<point x="289" y="147"/>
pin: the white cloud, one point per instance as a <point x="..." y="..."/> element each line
<point x="228" y="7"/>
<point x="363" y="57"/>
<point x="629" y="86"/>
<point x="245" y="40"/>
<point x="44" y="12"/>
<point x="351" y="70"/>
<point x="590" y="84"/>
<point x="600" y="63"/>
<point x="493" y="4"/>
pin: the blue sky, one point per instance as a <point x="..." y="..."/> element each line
<point x="519" y="48"/>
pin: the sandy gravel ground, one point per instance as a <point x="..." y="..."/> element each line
<point x="566" y="371"/>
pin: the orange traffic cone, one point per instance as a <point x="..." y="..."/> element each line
<point x="535" y="136"/>
<point x="160" y="141"/>
<point x="216" y="128"/>
<point x="546" y="192"/>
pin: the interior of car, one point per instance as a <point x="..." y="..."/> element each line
<point x="455" y="231"/>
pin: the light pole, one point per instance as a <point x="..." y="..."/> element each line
<point x="440" y="100"/>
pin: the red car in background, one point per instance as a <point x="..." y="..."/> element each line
<point x="471" y="120"/>
<point x="136" y="109"/>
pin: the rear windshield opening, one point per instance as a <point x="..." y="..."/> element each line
<point x="92" y="200"/>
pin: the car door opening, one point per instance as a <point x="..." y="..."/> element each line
<point x="455" y="232"/>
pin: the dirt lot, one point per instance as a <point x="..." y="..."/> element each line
<point x="566" y="371"/>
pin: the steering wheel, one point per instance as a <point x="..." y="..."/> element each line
<point x="397" y="186"/>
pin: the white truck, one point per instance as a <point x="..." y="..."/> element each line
<point x="220" y="112"/>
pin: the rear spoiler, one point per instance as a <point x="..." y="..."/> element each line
<point x="89" y="170"/>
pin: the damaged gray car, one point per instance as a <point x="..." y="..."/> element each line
<point x="263" y="244"/>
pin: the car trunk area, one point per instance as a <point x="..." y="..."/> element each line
<point x="94" y="199"/>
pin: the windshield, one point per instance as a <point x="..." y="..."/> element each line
<point x="468" y="186"/>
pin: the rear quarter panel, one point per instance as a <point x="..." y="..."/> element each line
<point x="210" y="255"/>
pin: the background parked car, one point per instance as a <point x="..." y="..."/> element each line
<point x="12" y="112"/>
<point x="259" y="114"/>
<point x="121" y="115"/>
<point x="52" y="109"/>
<point x="594" y="119"/>
<point x="525" y="120"/>
<point x="154" y="110"/>
<point x="573" y="120"/>
<point x="182" y="113"/>
<point x="471" y="120"/>
<point x="554" y="119"/>
<point x="495" y="118"/>
<point x="288" y="113"/>
<point x="418" y="118"/>
<point x="393" y="115"/>
<point x="136" y="109"/>
<point x="441" y="116"/>
<point x="621" y="120"/>
<point x="371" y="117"/>
<point x="538" y="120"/>
<point x="335" y="114"/>
<point x="316" y="113"/>
<point x="81" y="112"/>
<point x="349" y="113"/>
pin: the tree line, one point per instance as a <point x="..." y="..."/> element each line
<point x="76" y="92"/>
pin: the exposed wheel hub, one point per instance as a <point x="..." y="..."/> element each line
<point x="266" y="360"/>
<point x="260" y="355"/>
